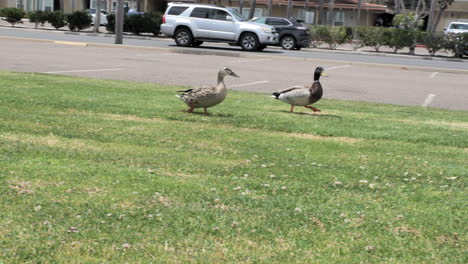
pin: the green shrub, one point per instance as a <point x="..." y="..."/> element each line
<point x="457" y="43"/>
<point x="56" y="19"/>
<point x="374" y="36"/>
<point x="401" y="38"/>
<point x="148" y="23"/>
<point x="1" y="12"/>
<point x="152" y="22"/>
<point x="79" y="20"/>
<point x="13" y="15"/>
<point x="332" y="35"/>
<point x="38" y="17"/>
<point x="135" y="24"/>
<point x="434" y="41"/>
<point x="110" y="26"/>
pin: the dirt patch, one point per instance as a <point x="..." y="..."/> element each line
<point x="405" y="229"/>
<point x="317" y="137"/>
<point x="129" y="118"/>
<point x="461" y="125"/>
<point x="51" y="141"/>
<point x="22" y="187"/>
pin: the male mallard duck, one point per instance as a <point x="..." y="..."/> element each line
<point x="207" y="96"/>
<point x="303" y="95"/>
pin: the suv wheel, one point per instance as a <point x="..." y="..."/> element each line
<point x="183" y="37"/>
<point x="249" y="42"/>
<point x="288" y="42"/>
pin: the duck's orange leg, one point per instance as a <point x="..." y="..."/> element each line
<point x="292" y="109"/>
<point x="190" y="110"/>
<point x="313" y="108"/>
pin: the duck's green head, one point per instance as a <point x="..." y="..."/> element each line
<point x="319" y="71"/>
<point x="227" y="71"/>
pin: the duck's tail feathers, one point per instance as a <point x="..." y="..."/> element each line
<point x="186" y="91"/>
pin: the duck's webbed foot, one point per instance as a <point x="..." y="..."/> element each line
<point x="190" y="110"/>
<point x="313" y="108"/>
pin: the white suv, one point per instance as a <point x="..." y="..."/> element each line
<point x="192" y="24"/>
<point x="457" y="27"/>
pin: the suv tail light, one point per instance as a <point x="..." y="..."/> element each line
<point x="164" y="20"/>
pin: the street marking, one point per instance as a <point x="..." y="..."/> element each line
<point x="83" y="44"/>
<point x="428" y="100"/>
<point x="240" y="61"/>
<point x="433" y="74"/>
<point x="84" y="71"/>
<point x="337" y="67"/>
<point x="247" y="84"/>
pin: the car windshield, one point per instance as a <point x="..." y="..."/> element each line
<point x="459" y="26"/>
<point x="236" y="14"/>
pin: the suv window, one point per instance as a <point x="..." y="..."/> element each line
<point x="277" y="22"/>
<point x="219" y="14"/>
<point x="260" y="20"/>
<point x="200" y="12"/>
<point x="177" y="10"/>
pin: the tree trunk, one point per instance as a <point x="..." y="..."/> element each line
<point x="306" y="7"/>
<point x="253" y="4"/>
<point x="331" y="18"/>
<point x="320" y="14"/>
<point x="97" y="21"/>
<point x="241" y="6"/>
<point x="119" y="22"/>
<point x="270" y="7"/>
<point x="397" y="7"/>
<point x="289" y="11"/>
<point x="138" y="5"/>
<point x="430" y="20"/>
<point x="358" y="16"/>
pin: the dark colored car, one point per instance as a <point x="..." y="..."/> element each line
<point x="292" y="33"/>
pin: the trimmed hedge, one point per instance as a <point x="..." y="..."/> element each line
<point x="458" y="44"/>
<point x="56" y="19"/>
<point x="13" y="15"/>
<point x="137" y="23"/>
<point x="79" y="20"/>
<point x="38" y="17"/>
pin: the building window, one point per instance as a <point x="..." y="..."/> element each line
<point x="339" y="18"/>
<point x="308" y="16"/>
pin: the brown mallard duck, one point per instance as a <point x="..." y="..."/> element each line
<point x="303" y="95"/>
<point x="207" y="96"/>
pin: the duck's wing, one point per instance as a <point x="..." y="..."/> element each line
<point x="197" y="93"/>
<point x="289" y="89"/>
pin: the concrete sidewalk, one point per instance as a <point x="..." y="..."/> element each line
<point x="344" y="48"/>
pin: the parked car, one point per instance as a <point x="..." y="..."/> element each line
<point x="192" y="24"/>
<point x="103" y="17"/>
<point x="457" y="27"/>
<point x="292" y="33"/>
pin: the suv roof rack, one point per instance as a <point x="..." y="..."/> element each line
<point x="190" y="2"/>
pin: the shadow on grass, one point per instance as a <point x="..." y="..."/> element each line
<point x="207" y="114"/>
<point x="311" y="114"/>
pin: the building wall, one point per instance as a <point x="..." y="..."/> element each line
<point x="7" y="3"/>
<point x="458" y="11"/>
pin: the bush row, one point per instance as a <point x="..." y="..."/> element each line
<point x="79" y="20"/>
<point x="393" y="38"/>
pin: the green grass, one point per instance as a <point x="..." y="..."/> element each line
<point x="144" y="182"/>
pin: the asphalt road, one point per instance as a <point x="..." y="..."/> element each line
<point x="403" y="84"/>
<point x="419" y="61"/>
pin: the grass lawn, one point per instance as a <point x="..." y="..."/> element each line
<point x="97" y="171"/>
